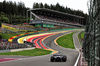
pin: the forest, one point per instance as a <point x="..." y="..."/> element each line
<point x="15" y="13"/>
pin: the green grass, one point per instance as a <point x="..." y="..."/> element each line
<point x="34" y="52"/>
<point x="82" y="35"/>
<point x="9" y="35"/>
<point x="66" y="41"/>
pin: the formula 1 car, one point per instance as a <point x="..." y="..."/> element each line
<point x="60" y="58"/>
<point x="30" y="43"/>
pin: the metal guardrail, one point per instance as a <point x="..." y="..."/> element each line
<point x="14" y="50"/>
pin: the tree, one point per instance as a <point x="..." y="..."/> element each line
<point x="62" y="9"/>
<point x="2" y="13"/>
<point x="58" y="6"/>
<point x="46" y="6"/>
<point x="41" y="5"/>
<point x="53" y="7"/>
<point x="4" y="19"/>
<point x="15" y="8"/>
<point x="35" y="5"/>
<point x="1" y="7"/>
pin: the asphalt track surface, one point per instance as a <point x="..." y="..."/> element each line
<point x="71" y="54"/>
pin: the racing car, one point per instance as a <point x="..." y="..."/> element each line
<point x="60" y="58"/>
<point x="30" y="43"/>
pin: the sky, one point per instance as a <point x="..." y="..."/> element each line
<point x="73" y="4"/>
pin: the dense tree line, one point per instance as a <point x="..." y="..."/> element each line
<point x="12" y="12"/>
<point x="60" y="8"/>
<point x="13" y="8"/>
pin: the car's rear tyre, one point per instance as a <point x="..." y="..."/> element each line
<point x="64" y="59"/>
<point x="52" y="59"/>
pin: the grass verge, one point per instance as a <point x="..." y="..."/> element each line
<point x="82" y="35"/>
<point x="33" y="52"/>
<point x="66" y="41"/>
<point x="9" y="35"/>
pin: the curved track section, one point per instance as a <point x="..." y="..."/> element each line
<point x="47" y="41"/>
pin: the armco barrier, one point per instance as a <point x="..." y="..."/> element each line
<point x="81" y="60"/>
<point x="2" y="51"/>
<point x="15" y="50"/>
<point x="77" y="63"/>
